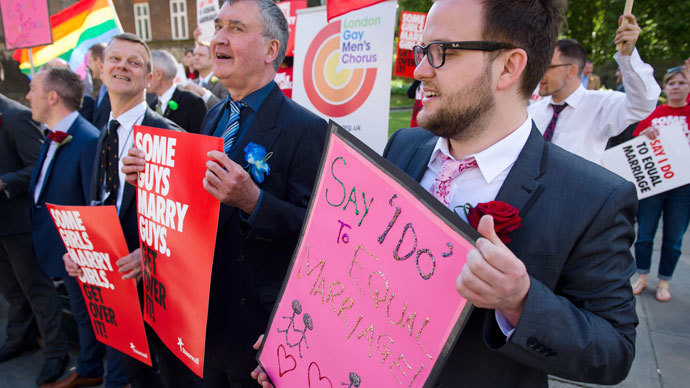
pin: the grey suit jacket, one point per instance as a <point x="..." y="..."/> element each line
<point x="20" y="145"/>
<point x="579" y="317"/>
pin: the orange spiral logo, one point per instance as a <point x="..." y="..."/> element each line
<point x="334" y="93"/>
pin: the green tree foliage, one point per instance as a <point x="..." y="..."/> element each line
<point x="665" y="35"/>
<point x="665" y="24"/>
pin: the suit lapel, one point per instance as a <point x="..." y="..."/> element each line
<point x="175" y="97"/>
<point x="44" y="152"/>
<point x="37" y="170"/>
<point x="420" y="159"/>
<point x="263" y="131"/>
<point x="521" y="187"/>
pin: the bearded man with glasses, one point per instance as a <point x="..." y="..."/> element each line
<point x="556" y="300"/>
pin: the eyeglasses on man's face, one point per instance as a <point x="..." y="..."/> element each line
<point x="558" y="65"/>
<point x="435" y="52"/>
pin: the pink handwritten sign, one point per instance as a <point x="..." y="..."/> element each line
<point x="26" y="23"/>
<point x="370" y="296"/>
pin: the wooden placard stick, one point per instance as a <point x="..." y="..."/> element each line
<point x="628" y="9"/>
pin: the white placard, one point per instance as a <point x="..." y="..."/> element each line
<point x="342" y="69"/>
<point x="206" y="14"/>
<point x="654" y="166"/>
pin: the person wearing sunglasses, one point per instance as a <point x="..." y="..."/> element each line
<point x="674" y="203"/>
<point x="582" y="121"/>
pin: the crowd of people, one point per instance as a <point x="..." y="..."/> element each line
<point x="555" y="300"/>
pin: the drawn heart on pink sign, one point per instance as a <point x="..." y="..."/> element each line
<point x="317" y="377"/>
<point x="285" y="357"/>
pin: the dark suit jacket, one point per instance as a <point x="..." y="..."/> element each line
<point x="101" y="113"/>
<point x="579" y="317"/>
<point x="88" y="105"/>
<point x="128" y="208"/>
<point x="66" y="182"/>
<point x="251" y="259"/>
<point x="20" y="144"/>
<point x="219" y="91"/>
<point x="190" y="111"/>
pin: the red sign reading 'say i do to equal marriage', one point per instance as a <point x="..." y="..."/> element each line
<point x="93" y="237"/>
<point x="177" y="221"/>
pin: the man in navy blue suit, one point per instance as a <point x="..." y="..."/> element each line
<point x="557" y="298"/>
<point x="29" y="291"/>
<point x="261" y="215"/>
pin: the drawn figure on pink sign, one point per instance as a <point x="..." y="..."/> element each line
<point x="355" y="380"/>
<point x="296" y="310"/>
<point x="308" y="325"/>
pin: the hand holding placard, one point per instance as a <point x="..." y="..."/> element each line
<point x="230" y="183"/>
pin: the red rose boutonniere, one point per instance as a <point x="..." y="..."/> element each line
<point x="60" y="137"/>
<point x="506" y="217"/>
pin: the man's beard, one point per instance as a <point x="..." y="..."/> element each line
<point x="465" y="113"/>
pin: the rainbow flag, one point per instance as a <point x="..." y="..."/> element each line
<point x="75" y="30"/>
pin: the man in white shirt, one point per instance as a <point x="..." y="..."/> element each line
<point x="126" y="71"/>
<point x="580" y="120"/>
<point x="207" y="85"/>
<point x="556" y="299"/>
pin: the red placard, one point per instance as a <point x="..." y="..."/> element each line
<point x="335" y="8"/>
<point x="411" y="28"/>
<point x="284" y="80"/>
<point x="289" y="9"/>
<point x="93" y="237"/>
<point x="177" y="221"/>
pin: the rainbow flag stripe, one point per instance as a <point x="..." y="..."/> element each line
<point x="75" y="30"/>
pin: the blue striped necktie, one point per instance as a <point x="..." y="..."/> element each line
<point x="230" y="132"/>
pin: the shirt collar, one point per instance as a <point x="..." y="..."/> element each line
<point x="66" y="122"/>
<point x="207" y="79"/>
<point x="129" y="118"/>
<point x="574" y="99"/>
<point x="498" y="157"/>
<point x="165" y="97"/>
<point x="256" y="98"/>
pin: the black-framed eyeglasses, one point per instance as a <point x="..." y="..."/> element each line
<point x="559" y="65"/>
<point x="435" y="52"/>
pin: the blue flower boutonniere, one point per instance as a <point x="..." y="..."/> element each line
<point x="257" y="159"/>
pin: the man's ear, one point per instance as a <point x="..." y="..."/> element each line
<point x="273" y="47"/>
<point x="513" y="64"/>
<point x="53" y="97"/>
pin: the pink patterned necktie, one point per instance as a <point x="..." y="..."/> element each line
<point x="450" y="169"/>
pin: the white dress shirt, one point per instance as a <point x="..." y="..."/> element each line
<point x="125" y="138"/>
<point x="203" y="82"/>
<point x="480" y="184"/>
<point x="165" y="98"/>
<point x="593" y="116"/>
<point x="62" y="125"/>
